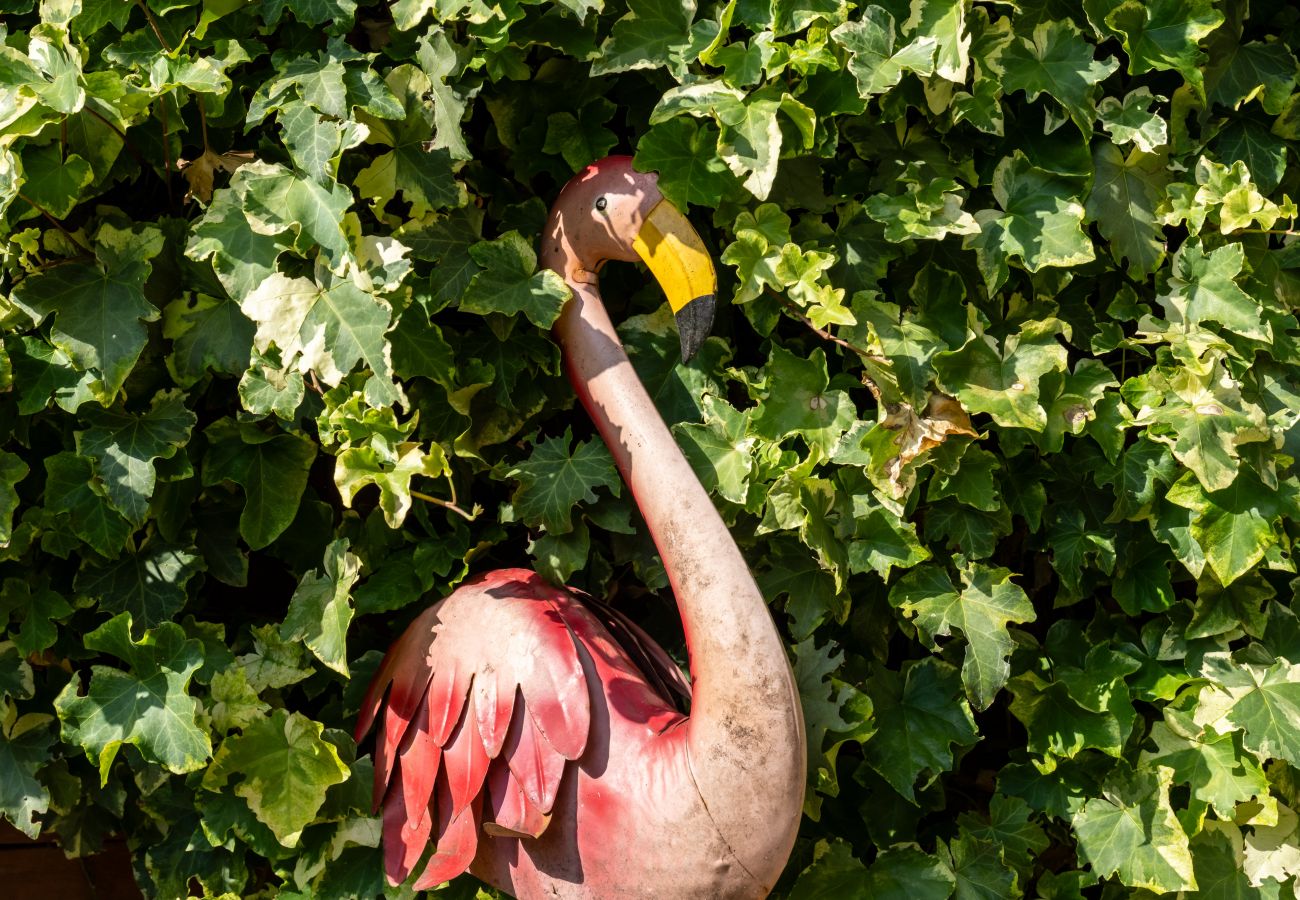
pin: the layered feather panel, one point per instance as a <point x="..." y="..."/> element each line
<point x="480" y="705"/>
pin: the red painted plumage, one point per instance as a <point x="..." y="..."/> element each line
<point x="505" y="635"/>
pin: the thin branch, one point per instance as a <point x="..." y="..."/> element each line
<point x="822" y="332"/>
<point x="126" y="141"/>
<point x="167" y="155"/>
<point x="445" y="504"/>
<point x="867" y="381"/>
<point x="63" y="261"/>
<point x="153" y="23"/>
<point x="157" y="32"/>
<point x="203" y="122"/>
<point x="54" y="221"/>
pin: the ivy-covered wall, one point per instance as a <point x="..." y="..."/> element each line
<point x="1002" y="407"/>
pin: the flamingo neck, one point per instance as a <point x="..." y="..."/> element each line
<point x="746" y="726"/>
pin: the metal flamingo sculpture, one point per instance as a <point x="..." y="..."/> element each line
<point x="530" y="734"/>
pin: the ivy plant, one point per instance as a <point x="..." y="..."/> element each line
<point x="1003" y="407"/>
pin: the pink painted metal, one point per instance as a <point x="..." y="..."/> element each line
<point x="531" y="736"/>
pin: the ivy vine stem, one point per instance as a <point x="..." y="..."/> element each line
<point x="53" y="220"/>
<point x="198" y="100"/>
<point x="445" y="504"/>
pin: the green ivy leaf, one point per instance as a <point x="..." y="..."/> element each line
<point x="583" y="138"/>
<point x="1164" y="35"/>
<point x="553" y="481"/>
<point x="423" y="177"/>
<point x="71" y="489"/>
<point x="149" y="584"/>
<point x="207" y="334"/>
<point x="1009" y="828"/>
<point x="835" y="872"/>
<point x="1125" y="193"/>
<point x="986" y="604"/>
<point x="685" y="154"/>
<point x="799" y="402"/>
<point x="41" y="610"/>
<point x="53" y="180"/>
<point x="24" y="749"/>
<point x="924" y="710"/>
<point x="1253" y="69"/>
<point x="97" y="310"/>
<point x="440" y="59"/>
<point x="124" y="446"/>
<point x="719" y="449"/>
<point x="241" y="257"/>
<point x="147" y="707"/>
<point x="510" y="283"/>
<point x="1129" y="121"/>
<point x="271" y="468"/>
<point x="978" y="868"/>
<point x="284" y="768"/>
<point x="1056" y="60"/>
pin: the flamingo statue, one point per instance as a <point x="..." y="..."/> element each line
<point x="535" y="735"/>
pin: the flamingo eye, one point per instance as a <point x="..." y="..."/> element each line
<point x="601" y="203"/>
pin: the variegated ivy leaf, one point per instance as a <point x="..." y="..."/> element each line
<point x="325" y="329"/>
<point x="647" y="36"/>
<point x="1040" y="222"/>
<point x="928" y="209"/>
<point x="1203" y="418"/>
<point x="391" y="472"/>
<point x="320" y="610"/>
<point x="1225" y="193"/>
<point x="1261" y="700"/>
<point x="1271" y="853"/>
<point x="1131" y="831"/>
<point x="1216" y="766"/>
<point x="1130" y="121"/>
<point x="877" y="59"/>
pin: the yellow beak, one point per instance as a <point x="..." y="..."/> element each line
<point x="675" y="254"/>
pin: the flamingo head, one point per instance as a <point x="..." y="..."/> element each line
<point x="611" y="211"/>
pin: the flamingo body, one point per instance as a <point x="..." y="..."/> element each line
<point x="565" y="771"/>
<point x="530" y="736"/>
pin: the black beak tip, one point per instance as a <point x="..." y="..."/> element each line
<point x="694" y="322"/>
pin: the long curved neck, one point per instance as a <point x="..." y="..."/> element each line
<point x="745" y="733"/>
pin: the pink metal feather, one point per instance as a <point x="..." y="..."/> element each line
<point x="538" y="741"/>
